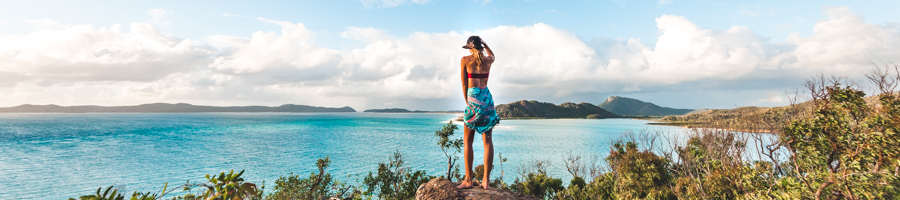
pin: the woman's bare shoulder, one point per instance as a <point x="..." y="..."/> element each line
<point x="488" y="59"/>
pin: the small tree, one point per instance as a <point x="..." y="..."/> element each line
<point x="576" y="166"/>
<point x="393" y="181"/>
<point x="449" y="146"/>
<point x="319" y="185"/>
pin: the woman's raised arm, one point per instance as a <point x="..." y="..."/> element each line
<point x="489" y="52"/>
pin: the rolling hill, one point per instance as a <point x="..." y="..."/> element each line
<point x="633" y="107"/>
<point x="535" y="109"/>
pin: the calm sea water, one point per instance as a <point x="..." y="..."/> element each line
<point x="57" y="156"/>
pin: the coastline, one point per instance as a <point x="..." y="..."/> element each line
<point x="692" y="125"/>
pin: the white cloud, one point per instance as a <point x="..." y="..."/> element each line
<point x="270" y="51"/>
<point x="843" y="43"/>
<point x="157" y="16"/>
<point x="773" y="97"/>
<point x="82" y="53"/>
<point x="83" y="65"/>
<point x="391" y="3"/>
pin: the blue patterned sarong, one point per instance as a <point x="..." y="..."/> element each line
<point x="480" y="114"/>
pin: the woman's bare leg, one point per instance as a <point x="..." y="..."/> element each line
<point x="468" y="136"/>
<point x="488" y="158"/>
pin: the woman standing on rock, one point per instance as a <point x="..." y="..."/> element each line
<point x="480" y="115"/>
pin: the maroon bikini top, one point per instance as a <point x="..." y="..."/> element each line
<point x="471" y="75"/>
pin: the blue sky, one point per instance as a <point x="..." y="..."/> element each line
<point x="587" y="19"/>
<point x="96" y="52"/>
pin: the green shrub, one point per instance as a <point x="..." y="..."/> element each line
<point x="577" y="182"/>
<point x="603" y="187"/>
<point x="540" y="185"/>
<point x="106" y="195"/>
<point x="393" y="181"/>
<point x="639" y="174"/>
<point x="710" y="166"/>
<point x="230" y="186"/>
<point x="319" y="185"/>
<point x="847" y="149"/>
<point x="223" y="187"/>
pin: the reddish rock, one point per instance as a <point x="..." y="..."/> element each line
<point x="442" y="189"/>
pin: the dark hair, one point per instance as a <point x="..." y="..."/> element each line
<point x="474" y="42"/>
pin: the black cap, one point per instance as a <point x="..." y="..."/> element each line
<point x="473" y="42"/>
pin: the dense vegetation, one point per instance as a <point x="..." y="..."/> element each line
<point x="535" y="109"/>
<point x="837" y="145"/>
<point x="633" y="107"/>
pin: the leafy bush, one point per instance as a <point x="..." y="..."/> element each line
<point x="229" y="186"/>
<point x="535" y="180"/>
<point x="709" y="165"/>
<point x="115" y="195"/>
<point x="639" y="174"/>
<point x="225" y="186"/>
<point x="319" y="185"/>
<point x="577" y="182"/>
<point x="393" y="181"/>
<point x="540" y="185"/>
<point x="846" y="149"/>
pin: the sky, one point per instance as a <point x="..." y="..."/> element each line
<point x="405" y="53"/>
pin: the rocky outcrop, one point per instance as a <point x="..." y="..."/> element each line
<point x="442" y="189"/>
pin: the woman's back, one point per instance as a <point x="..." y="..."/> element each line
<point x="473" y="68"/>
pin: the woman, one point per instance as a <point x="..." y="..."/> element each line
<point x="480" y="115"/>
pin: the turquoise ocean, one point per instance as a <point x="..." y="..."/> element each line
<point x="58" y="156"/>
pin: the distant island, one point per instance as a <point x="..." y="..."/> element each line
<point x="403" y="110"/>
<point x="747" y="118"/>
<point x="167" y="108"/>
<point x="633" y="108"/>
<point x="533" y="109"/>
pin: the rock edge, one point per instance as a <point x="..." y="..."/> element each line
<point x="442" y="189"/>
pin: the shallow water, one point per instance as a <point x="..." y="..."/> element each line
<point x="58" y="156"/>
